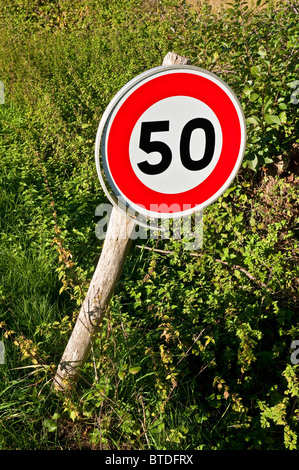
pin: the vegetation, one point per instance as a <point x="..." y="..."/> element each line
<point x="194" y="352"/>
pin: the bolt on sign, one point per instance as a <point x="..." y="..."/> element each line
<point x="171" y="141"/>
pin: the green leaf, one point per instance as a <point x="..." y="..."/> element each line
<point x="255" y="70"/>
<point x="268" y="101"/>
<point x="73" y="415"/>
<point x="254" y="97"/>
<point x="283" y="117"/>
<point x="262" y="52"/>
<point x="247" y="91"/>
<point x="272" y="119"/>
<point x="252" y="164"/>
<point x="134" y="370"/>
<point x="121" y="374"/>
<point x="237" y="274"/>
<point x="253" y="120"/>
<point x="50" y="425"/>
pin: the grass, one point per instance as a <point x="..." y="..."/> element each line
<point x="218" y="5"/>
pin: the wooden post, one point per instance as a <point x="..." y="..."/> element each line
<point x="173" y="59"/>
<point x="114" y="252"/>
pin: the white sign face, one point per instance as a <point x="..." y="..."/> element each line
<point x="172" y="140"/>
<point x="176" y="111"/>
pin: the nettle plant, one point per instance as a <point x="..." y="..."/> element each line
<point x="270" y="69"/>
<point x="255" y="50"/>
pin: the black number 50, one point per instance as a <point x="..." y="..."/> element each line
<point x="149" y="146"/>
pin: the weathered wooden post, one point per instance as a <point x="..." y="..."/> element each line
<point x="113" y="256"/>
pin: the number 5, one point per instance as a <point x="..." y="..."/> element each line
<point x="154" y="146"/>
<point x="149" y="146"/>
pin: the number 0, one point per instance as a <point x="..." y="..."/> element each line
<point x="149" y="146"/>
<point x="207" y="126"/>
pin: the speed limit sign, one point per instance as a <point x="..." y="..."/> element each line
<point x="171" y="141"/>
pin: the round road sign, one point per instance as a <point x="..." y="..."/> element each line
<point x="171" y="141"/>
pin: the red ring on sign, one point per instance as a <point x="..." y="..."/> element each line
<point x="149" y="93"/>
